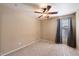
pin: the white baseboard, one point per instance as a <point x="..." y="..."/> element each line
<point x="19" y="48"/>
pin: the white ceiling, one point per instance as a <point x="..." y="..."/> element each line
<point x="62" y="8"/>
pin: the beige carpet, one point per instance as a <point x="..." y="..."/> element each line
<point x="44" y="48"/>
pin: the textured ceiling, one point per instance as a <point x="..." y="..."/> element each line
<point x="62" y="8"/>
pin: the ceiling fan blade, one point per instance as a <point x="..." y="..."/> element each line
<point x="37" y="12"/>
<point x="52" y="12"/>
<point x="48" y="7"/>
<point x="40" y="16"/>
<point x="44" y="9"/>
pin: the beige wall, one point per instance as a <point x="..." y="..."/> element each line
<point x="0" y="37"/>
<point x="0" y="26"/>
<point x="77" y="28"/>
<point x="17" y="27"/>
<point x="49" y="28"/>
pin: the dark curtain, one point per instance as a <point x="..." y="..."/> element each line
<point x="58" y="34"/>
<point x="71" y="38"/>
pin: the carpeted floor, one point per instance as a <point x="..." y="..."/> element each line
<point x="44" y="48"/>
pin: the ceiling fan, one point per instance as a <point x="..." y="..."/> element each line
<point x="45" y="11"/>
